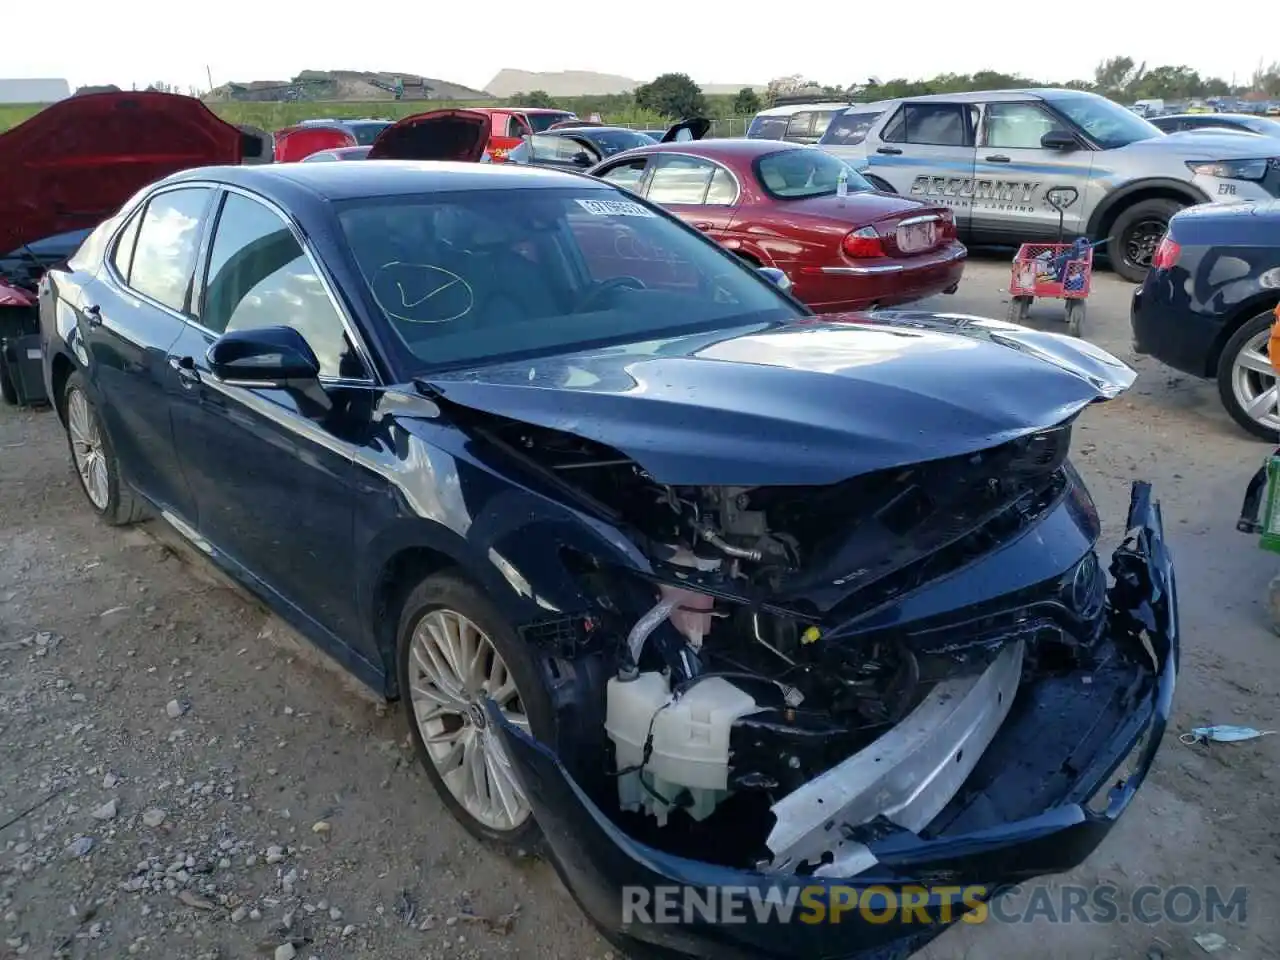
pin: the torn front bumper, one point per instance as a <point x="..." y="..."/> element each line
<point x="1041" y="798"/>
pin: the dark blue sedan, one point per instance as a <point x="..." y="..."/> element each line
<point x="701" y="590"/>
<point x="1206" y="307"/>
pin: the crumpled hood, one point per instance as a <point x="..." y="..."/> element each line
<point x="811" y="402"/>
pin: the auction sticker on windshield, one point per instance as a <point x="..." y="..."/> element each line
<point x="615" y="208"/>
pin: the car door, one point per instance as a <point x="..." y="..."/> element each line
<point x="271" y="469"/>
<point x="1014" y="176"/>
<point x="129" y="318"/>
<point x="699" y="191"/>
<point x="926" y="150"/>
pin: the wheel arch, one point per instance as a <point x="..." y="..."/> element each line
<point x="60" y="370"/>
<point x="1155" y="188"/>
<point x="1260" y="302"/>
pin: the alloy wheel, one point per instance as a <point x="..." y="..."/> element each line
<point x="453" y="668"/>
<point x="1253" y="382"/>
<point x="86" y="449"/>
<point x="1141" y="242"/>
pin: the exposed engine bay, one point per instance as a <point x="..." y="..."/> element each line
<point x="750" y="689"/>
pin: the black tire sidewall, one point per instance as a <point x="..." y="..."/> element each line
<point x="8" y="389"/>
<point x="1117" y="249"/>
<point x="451" y="591"/>
<point x="112" y="513"/>
<point x="1247" y="331"/>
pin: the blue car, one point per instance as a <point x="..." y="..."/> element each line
<point x="672" y="579"/>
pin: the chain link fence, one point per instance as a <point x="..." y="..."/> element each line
<point x="722" y="128"/>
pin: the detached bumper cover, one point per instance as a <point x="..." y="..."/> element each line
<point x="1023" y="812"/>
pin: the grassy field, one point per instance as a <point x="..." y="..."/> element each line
<point x="274" y="115"/>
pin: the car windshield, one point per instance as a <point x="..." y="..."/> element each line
<point x="805" y="172"/>
<point x="1108" y="124"/>
<point x="478" y="276"/>
<point x="366" y="133"/>
<point x="541" y="121"/>
<point x="615" y="141"/>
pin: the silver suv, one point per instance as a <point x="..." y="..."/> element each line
<point x="992" y="157"/>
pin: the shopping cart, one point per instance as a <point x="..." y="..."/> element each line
<point x="1060" y="271"/>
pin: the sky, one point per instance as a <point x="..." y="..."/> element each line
<point x="130" y="42"/>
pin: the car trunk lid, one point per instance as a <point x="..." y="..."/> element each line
<point x="76" y="162"/>
<point x="298" y="143"/>
<point x="460" y="135"/>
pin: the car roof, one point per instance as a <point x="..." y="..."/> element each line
<point x="986" y="96"/>
<point x="788" y="109"/>
<point x="741" y="147"/>
<point x="289" y="183"/>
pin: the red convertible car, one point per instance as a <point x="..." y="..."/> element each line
<point x="780" y="205"/>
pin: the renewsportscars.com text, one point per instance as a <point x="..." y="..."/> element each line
<point x="816" y="904"/>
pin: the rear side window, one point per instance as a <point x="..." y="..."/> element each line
<point x="848" y="129"/>
<point x="800" y="127"/>
<point x="516" y="127"/>
<point x="626" y="175"/>
<point x="767" y="128"/>
<point x="681" y="180"/>
<point x="168" y="239"/>
<point x="259" y="276"/>
<point x="935" y="124"/>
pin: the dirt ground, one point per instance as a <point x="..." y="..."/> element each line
<point x="204" y="786"/>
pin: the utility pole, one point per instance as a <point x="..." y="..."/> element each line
<point x="209" y="73"/>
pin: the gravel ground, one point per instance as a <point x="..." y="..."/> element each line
<point x="180" y="776"/>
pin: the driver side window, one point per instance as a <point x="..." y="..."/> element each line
<point x="1016" y="126"/>
<point x="259" y="276"/>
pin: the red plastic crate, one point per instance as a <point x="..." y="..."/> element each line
<point x="1033" y="278"/>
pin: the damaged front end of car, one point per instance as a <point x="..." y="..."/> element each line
<point x="915" y="676"/>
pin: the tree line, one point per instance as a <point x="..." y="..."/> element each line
<point x="1120" y="78"/>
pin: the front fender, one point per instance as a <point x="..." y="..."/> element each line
<point x="1111" y="203"/>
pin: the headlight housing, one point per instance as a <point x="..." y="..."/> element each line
<point x="1230" y="169"/>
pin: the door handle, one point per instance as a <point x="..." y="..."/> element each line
<point x="185" y="368"/>
<point x="93" y="315"/>
<point x="891" y="151"/>
<point x="702" y="225"/>
<point x="997" y="158"/>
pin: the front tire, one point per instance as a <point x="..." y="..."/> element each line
<point x="1136" y="234"/>
<point x="1247" y="381"/>
<point x="454" y="650"/>
<point x="94" y="459"/>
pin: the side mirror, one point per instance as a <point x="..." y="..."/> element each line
<point x="776" y="277"/>
<point x="267" y="356"/>
<point x="582" y="159"/>
<point x="1059" y="140"/>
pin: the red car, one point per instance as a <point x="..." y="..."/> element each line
<point x="779" y="205"/>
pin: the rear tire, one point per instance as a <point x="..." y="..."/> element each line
<point x="451" y="711"/>
<point x="1019" y="309"/>
<point x="94" y="459"/>
<point x="1239" y="381"/>
<point x="1135" y="235"/>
